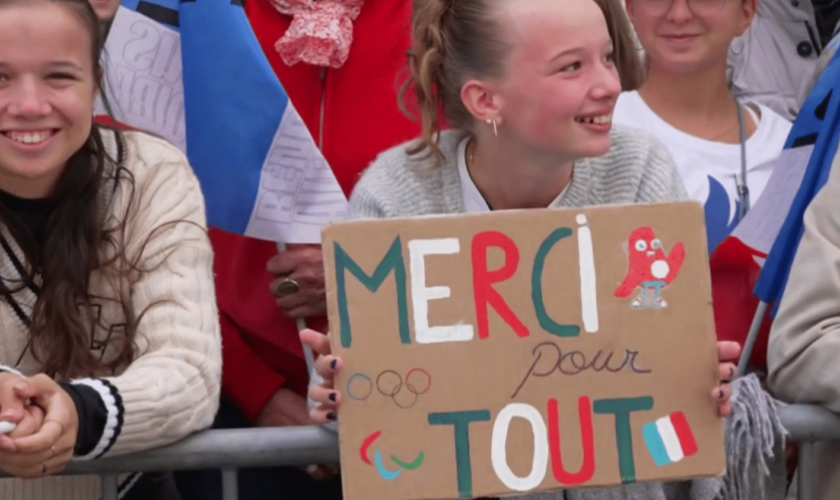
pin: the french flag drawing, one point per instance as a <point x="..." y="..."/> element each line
<point x="669" y="439"/>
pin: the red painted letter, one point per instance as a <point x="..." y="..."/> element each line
<point x="587" y="468"/>
<point x="483" y="280"/>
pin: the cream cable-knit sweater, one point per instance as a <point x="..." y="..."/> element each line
<point x="171" y="389"/>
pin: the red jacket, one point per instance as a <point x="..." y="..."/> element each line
<point x="262" y="352"/>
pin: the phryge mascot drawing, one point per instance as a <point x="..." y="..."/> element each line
<point x="649" y="269"/>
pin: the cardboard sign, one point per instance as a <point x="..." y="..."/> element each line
<point x="491" y="354"/>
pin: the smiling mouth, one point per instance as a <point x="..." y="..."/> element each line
<point x="29" y="138"/>
<point x="594" y="120"/>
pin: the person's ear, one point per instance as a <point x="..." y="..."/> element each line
<point x="482" y="101"/>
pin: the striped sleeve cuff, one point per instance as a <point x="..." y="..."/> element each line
<point x="9" y="369"/>
<point x="114" y="422"/>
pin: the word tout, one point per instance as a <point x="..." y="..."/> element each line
<point x="546" y="441"/>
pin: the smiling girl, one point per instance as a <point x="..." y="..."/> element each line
<point x="529" y="87"/>
<point x="107" y="308"/>
<point x="720" y="146"/>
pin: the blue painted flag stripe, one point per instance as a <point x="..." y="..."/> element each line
<point x="655" y="445"/>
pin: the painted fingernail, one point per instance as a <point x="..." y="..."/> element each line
<point x="720" y="394"/>
<point x="330" y="416"/>
<point x="332" y="396"/>
<point x="333" y="363"/>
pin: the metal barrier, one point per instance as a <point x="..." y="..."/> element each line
<point x="808" y="424"/>
<point x="230" y="450"/>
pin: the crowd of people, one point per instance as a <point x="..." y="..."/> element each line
<point x="117" y="298"/>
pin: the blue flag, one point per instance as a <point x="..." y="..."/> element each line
<point x="233" y="104"/>
<point x="261" y="173"/>
<point x="817" y="124"/>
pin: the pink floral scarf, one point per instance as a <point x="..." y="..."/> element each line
<point x="321" y="31"/>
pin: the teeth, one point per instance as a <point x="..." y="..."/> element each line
<point x="597" y="120"/>
<point x="29" y="137"/>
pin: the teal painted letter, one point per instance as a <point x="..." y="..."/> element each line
<point x="548" y="324"/>
<point x="622" y="408"/>
<point x="461" y="420"/>
<point x="393" y="261"/>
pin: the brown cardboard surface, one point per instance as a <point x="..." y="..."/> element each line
<point x="441" y="400"/>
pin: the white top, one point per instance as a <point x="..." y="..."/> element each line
<point x="709" y="168"/>
<point x="472" y="197"/>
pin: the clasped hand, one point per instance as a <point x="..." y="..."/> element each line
<point x="46" y="426"/>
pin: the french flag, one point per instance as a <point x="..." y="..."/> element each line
<point x="193" y="72"/>
<point x="669" y="439"/>
<point x="750" y="267"/>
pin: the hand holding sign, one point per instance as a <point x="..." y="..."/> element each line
<point x="327" y="366"/>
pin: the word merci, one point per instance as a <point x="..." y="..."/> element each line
<point x="483" y="280"/>
<point x="546" y="441"/>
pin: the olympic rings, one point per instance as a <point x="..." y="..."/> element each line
<point x="395" y="385"/>
<point x="367" y="381"/>
<point x="424" y="374"/>
<point x="389" y="383"/>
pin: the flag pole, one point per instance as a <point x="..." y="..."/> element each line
<point x="749" y="343"/>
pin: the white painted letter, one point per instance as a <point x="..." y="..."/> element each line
<point x="498" y="447"/>
<point x="588" y="293"/>
<point x="421" y="294"/>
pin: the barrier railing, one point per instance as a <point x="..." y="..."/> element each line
<point x="230" y="450"/>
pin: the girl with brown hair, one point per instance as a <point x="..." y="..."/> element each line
<point x="110" y="339"/>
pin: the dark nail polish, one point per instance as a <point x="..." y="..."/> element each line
<point x="332" y="396"/>
<point x="330" y="416"/>
<point x="720" y="394"/>
<point x="333" y="363"/>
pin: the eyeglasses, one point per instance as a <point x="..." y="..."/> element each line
<point x="699" y="8"/>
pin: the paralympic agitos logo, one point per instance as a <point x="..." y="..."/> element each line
<point x="385" y="472"/>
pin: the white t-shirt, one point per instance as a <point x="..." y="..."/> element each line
<point x="473" y="200"/>
<point x="709" y="169"/>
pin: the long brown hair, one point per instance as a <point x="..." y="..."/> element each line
<point x="453" y="40"/>
<point x="64" y="315"/>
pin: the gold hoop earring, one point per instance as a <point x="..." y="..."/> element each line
<point x="495" y="129"/>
